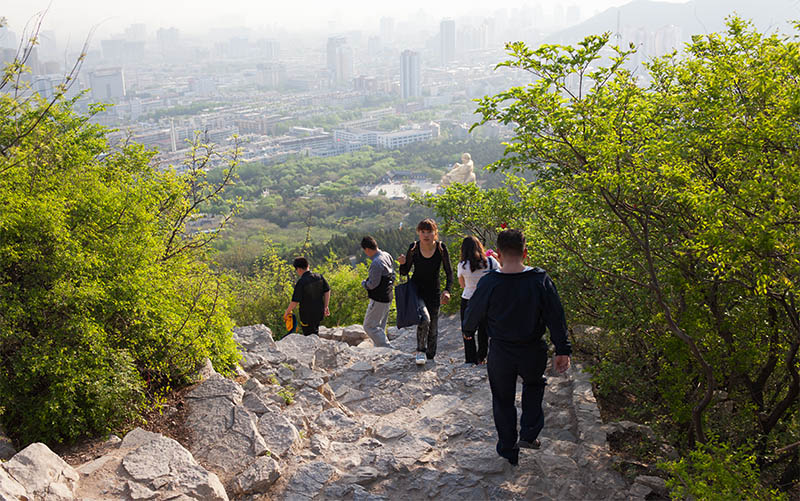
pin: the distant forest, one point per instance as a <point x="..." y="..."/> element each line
<point x="318" y="203"/>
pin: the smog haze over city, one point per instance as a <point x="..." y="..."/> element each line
<point x="76" y="17"/>
<point x="318" y="79"/>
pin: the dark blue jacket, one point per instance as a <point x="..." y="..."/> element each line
<point x="518" y="307"/>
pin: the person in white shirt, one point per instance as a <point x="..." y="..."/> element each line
<point x="473" y="265"/>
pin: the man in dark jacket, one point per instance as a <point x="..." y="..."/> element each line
<point x="518" y="302"/>
<point x="379" y="286"/>
<point x="312" y="293"/>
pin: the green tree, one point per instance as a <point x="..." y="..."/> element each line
<point x="669" y="206"/>
<point x="466" y="209"/>
<point x="105" y="301"/>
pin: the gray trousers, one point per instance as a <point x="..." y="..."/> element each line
<point x="375" y="322"/>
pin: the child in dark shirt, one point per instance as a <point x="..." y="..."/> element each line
<point x="518" y="302"/>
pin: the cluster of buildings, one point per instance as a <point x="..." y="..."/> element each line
<point x="275" y="96"/>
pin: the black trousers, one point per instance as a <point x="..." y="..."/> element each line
<point x="471" y="355"/>
<point x="506" y="362"/>
<point x="428" y="332"/>
<point x="310" y="328"/>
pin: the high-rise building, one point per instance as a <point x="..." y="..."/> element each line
<point x="8" y="39"/>
<point x="469" y="38"/>
<point x="168" y="39"/>
<point x="47" y="45"/>
<point x="447" y="41"/>
<point x="107" y="84"/>
<point x="333" y="44"/>
<point x="271" y="75"/>
<point x="344" y="65"/>
<point x="387" y="29"/>
<point x="410" y="77"/>
<point x="339" y="60"/>
<point x="271" y="49"/>
<point x="136" y="33"/>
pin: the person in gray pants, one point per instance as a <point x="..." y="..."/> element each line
<point x="379" y="285"/>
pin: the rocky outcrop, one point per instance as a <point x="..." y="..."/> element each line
<point x="40" y="474"/>
<point x="142" y="466"/>
<point x="332" y="417"/>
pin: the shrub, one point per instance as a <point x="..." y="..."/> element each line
<point x="104" y="299"/>
<point x="715" y="471"/>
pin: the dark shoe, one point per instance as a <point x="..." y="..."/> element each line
<point x="524" y="444"/>
<point x="512" y="456"/>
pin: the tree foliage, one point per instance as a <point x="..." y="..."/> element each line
<point x="104" y="298"/>
<point x="667" y="207"/>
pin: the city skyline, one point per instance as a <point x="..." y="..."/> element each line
<point x="74" y="19"/>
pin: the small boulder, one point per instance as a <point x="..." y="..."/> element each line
<point x="257" y="477"/>
<point x="42" y="473"/>
<point x="354" y="334"/>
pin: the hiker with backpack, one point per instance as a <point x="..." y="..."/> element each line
<point x="427" y="256"/>
<point x="473" y="265"/>
<point x="379" y="286"/>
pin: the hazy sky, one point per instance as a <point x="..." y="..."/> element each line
<point x="75" y="17"/>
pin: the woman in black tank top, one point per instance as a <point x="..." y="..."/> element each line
<point x="427" y="256"/>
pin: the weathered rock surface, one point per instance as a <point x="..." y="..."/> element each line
<point x="333" y="417"/>
<point x="41" y="473"/>
<point x="148" y="465"/>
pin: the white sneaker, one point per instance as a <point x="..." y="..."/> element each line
<point x="420" y="359"/>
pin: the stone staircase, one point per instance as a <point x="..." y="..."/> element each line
<point x="310" y="418"/>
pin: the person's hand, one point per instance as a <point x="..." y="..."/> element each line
<point x="401" y="259"/>
<point x="445" y="297"/>
<point x="467" y="338"/>
<point x="326" y="312"/>
<point x="287" y="313"/>
<point x="562" y="363"/>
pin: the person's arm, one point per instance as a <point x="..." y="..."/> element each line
<point x="557" y="325"/>
<point x="448" y="269"/>
<point x="476" y="308"/>
<point x="374" y="277"/>
<point x="297" y="294"/>
<point x="406" y="260"/>
<point x="460" y="273"/>
<point x="326" y="297"/>
<point x="448" y="273"/>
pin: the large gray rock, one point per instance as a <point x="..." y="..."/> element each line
<point x="254" y="338"/>
<point x="10" y="489"/>
<point x="148" y="465"/>
<point x="225" y="444"/>
<point x="329" y="356"/>
<point x="43" y="474"/>
<point x="309" y="480"/>
<point x="258" y="477"/>
<point x="280" y="435"/>
<point x="217" y="387"/>
<point x="258" y="346"/>
<point x="224" y="432"/>
<point x="354" y="335"/>
<point x="299" y="348"/>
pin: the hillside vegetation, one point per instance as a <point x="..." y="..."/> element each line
<point x="665" y="206"/>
